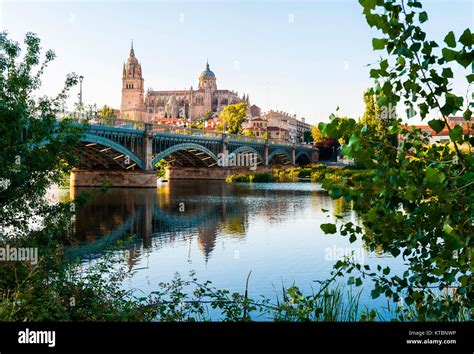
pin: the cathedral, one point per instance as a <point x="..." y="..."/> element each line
<point x="186" y="104"/>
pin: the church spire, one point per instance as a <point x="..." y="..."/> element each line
<point x="132" y="52"/>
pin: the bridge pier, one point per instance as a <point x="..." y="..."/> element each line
<point x="213" y="173"/>
<point x="148" y="146"/>
<point x="265" y="152"/>
<point x="293" y="154"/>
<point x="86" y="178"/>
<point x="224" y="143"/>
<point x="314" y="154"/>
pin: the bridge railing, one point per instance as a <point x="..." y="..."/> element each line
<point x="279" y="142"/>
<point x="161" y="128"/>
<point x="117" y="123"/>
<point x="239" y="137"/>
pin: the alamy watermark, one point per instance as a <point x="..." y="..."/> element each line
<point x="224" y="159"/>
<point x="19" y="254"/>
<point x="37" y="337"/>
<point x="334" y="253"/>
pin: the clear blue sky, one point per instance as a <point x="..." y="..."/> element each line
<point x="304" y="57"/>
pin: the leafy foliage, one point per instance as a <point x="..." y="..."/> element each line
<point x="35" y="150"/>
<point x="419" y="203"/>
<point x="233" y="116"/>
<point x="107" y="111"/>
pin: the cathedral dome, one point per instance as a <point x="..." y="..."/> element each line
<point x="207" y="72"/>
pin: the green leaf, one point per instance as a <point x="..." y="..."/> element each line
<point x="447" y="73"/>
<point x="382" y="101"/>
<point x="392" y="129"/>
<point x="369" y="4"/>
<point x="375" y="293"/>
<point x="437" y="125"/>
<point x="423" y="16"/>
<point x="434" y="176"/>
<point x="416" y="4"/>
<point x="467" y="115"/>
<point x="355" y="142"/>
<point x="395" y="252"/>
<point x="374" y="73"/>
<point x="452" y="104"/>
<point x="455" y="134"/>
<point x="448" y="54"/>
<point x="447" y="228"/>
<point x="465" y="58"/>
<point x="466" y="38"/>
<point x="450" y="40"/>
<point x="379" y="44"/>
<point x="470" y="78"/>
<point x="358" y="282"/>
<point x="328" y="228"/>
<point x="423" y="109"/>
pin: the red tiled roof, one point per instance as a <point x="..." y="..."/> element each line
<point x="429" y="130"/>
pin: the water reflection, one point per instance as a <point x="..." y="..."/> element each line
<point x="185" y="209"/>
<point x="222" y="231"/>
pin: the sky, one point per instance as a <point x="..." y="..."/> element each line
<point x="303" y="57"/>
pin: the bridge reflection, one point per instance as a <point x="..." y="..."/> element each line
<point x="179" y="212"/>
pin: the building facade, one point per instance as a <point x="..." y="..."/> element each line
<point x="257" y="125"/>
<point x="189" y="104"/>
<point x="277" y="125"/>
<point x="301" y="129"/>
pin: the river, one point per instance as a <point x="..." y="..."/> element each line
<point x="222" y="232"/>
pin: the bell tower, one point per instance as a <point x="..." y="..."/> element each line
<point x="132" y="106"/>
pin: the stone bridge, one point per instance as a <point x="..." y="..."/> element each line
<point x="125" y="153"/>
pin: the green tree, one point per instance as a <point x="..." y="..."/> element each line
<point x="31" y="156"/>
<point x="316" y="134"/>
<point x="372" y="116"/>
<point x="107" y="111"/>
<point x="308" y="136"/>
<point x="233" y="116"/>
<point x="36" y="150"/>
<point x="249" y="132"/>
<point x="420" y="203"/>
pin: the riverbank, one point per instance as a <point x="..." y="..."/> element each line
<point x="349" y="176"/>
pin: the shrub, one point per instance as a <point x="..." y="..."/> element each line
<point x="239" y="177"/>
<point x="261" y="177"/>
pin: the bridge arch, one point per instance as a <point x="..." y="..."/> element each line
<point x="277" y="152"/>
<point x="303" y="157"/>
<point x="91" y="138"/>
<point x="184" y="147"/>
<point x="246" y="149"/>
